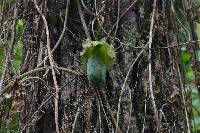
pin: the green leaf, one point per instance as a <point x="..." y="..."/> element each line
<point x="86" y="54"/>
<point x="185" y="58"/>
<point x="105" y="52"/>
<point x="17" y="56"/>
<point x="195" y="109"/>
<point x="198" y="2"/>
<point x="19" y="28"/>
<point x="107" y="55"/>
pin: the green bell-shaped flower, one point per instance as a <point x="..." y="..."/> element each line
<point x="98" y="57"/>
<point x="96" y="70"/>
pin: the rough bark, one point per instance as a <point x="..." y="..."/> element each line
<point x="80" y="108"/>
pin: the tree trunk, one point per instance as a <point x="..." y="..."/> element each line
<point x="149" y="72"/>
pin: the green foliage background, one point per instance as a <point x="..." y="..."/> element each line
<point x="13" y="125"/>
<point x="183" y="29"/>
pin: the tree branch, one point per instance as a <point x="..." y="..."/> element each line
<point x="9" y="49"/>
<point x="62" y="34"/>
<point x="83" y="20"/>
<point x="155" y="111"/>
<point x="52" y="66"/>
